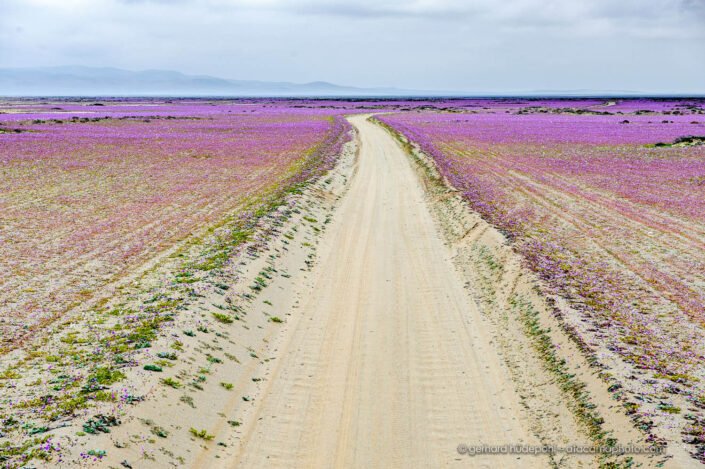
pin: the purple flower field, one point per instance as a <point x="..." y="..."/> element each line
<point x="607" y="204"/>
<point x="91" y="190"/>
<point x="603" y="199"/>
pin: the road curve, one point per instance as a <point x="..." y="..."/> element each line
<point x="388" y="364"/>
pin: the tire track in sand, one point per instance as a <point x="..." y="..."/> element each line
<point x="389" y="364"/>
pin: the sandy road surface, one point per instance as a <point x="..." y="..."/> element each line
<point x="387" y="364"/>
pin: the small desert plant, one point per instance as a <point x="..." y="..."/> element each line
<point x="167" y="355"/>
<point x="160" y="432"/>
<point x="222" y="317"/>
<point x="171" y="382"/>
<point x="106" y="376"/>
<point x="188" y="400"/>
<point x="669" y="408"/>
<point x="203" y="434"/>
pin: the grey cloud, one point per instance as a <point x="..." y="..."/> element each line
<point x="391" y="9"/>
<point x="522" y="13"/>
<point x="161" y="2"/>
<point x="418" y="44"/>
<point x="696" y="8"/>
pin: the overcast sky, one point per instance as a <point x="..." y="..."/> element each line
<point x="465" y="45"/>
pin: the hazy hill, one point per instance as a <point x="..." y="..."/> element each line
<point x="93" y="81"/>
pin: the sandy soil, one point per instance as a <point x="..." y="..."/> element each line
<point x="398" y="343"/>
<point x="387" y="365"/>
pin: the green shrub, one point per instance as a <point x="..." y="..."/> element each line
<point x="203" y="434"/>
<point x="222" y="317"/>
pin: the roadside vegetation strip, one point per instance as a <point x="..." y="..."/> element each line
<point x="611" y="221"/>
<point x="490" y="271"/>
<point x="82" y="362"/>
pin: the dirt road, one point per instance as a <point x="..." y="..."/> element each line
<point x="388" y="363"/>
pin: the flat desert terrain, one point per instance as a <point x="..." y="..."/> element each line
<point x="305" y="284"/>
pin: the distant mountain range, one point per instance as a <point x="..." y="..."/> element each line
<point x="108" y="81"/>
